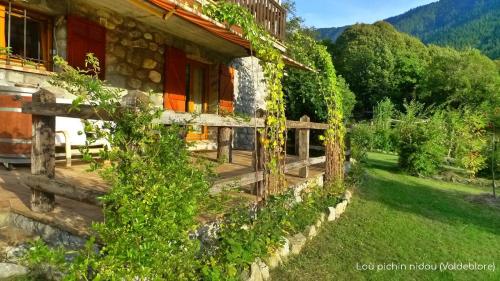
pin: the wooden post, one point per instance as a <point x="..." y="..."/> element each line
<point x="304" y="147"/>
<point x="347" y="147"/>
<point x="259" y="156"/>
<point x="296" y="147"/>
<point x="224" y="145"/>
<point x="43" y="152"/>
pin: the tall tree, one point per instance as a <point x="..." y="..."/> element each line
<point x="377" y="61"/>
<point x="459" y="78"/>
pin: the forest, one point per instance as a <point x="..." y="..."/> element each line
<point x="456" y="23"/>
<point x="436" y="107"/>
<point x="459" y="24"/>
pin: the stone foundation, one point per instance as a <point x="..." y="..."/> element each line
<point x="52" y="235"/>
<point x="20" y="76"/>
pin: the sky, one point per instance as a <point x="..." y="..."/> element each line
<point x="335" y="13"/>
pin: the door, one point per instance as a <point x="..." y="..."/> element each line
<point x="186" y="88"/>
<point x="197" y="96"/>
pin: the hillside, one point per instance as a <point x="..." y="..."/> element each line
<point x="456" y="23"/>
<point x="331" y="32"/>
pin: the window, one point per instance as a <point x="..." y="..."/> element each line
<point x="26" y="36"/>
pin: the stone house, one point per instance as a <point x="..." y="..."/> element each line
<point x="191" y="62"/>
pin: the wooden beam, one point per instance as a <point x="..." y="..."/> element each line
<point x="43" y="150"/>
<point x="210" y="120"/>
<point x="290" y="124"/>
<point x="304" y="147"/>
<point x="63" y="189"/>
<point x="65" y="110"/>
<point x="245" y="179"/>
<point x="303" y="163"/>
<point x="224" y="145"/>
<point x="168" y="117"/>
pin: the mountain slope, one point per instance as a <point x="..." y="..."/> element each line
<point x="456" y="23"/>
<point x="331" y="33"/>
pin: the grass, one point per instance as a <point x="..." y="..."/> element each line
<point x="404" y="220"/>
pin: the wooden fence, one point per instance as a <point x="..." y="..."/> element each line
<point x="44" y="186"/>
<point x="268" y="13"/>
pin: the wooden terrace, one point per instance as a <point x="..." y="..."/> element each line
<point x="76" y="217"/>
<point x="65" y="195"/>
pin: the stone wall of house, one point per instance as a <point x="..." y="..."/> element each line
<point x="134" y="53"/>
<point x="135" y="60"/>
<point x="249" y="95"/>
<point x="17" y="76"/>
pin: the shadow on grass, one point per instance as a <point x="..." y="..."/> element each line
<point x="421" y="197"/>
<point x="386" y="165"/>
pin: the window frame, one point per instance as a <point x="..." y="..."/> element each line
<point x="46" y="38"/>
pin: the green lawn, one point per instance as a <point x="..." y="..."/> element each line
<point x="395" y="218"/>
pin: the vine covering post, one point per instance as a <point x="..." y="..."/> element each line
<point x="260" y="159"/>
<point x="43" y="152"/>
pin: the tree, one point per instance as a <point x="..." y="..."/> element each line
<point x="305" y="90"/>
<point x="460" y="78"/>
<point x="377" y="61"/>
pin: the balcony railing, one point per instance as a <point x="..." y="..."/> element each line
<point x="268" y="13"/>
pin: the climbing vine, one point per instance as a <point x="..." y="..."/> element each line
<point x="272" y="64"/>
<point x="334" y="136"/>
<point x="324" y="84"/>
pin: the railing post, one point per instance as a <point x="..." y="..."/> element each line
<point x="304" y="147"/>
<point x="348" y="147"/>
<point x="224" y="145"/>
<point x="259" y="156"/>
<point x="296" y="142"/>
<point x="43" y="152"/>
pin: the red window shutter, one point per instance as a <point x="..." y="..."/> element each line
<point x="226" y="88"/>
<point x="85" y="37"/>
<point x="175" y="80"/>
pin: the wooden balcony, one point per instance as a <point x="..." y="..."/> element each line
<point x="268" y="13"/>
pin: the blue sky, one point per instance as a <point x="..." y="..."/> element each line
<point x="335" y="13"/>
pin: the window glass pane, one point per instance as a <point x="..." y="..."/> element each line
<point x="33" y="31"/>
<point x="197" y="96"/>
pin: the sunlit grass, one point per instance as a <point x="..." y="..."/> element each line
<point x="400" y="219"/>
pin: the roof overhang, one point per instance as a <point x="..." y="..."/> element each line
<point x="293" y="63"/>
<point x="187" y="23"/>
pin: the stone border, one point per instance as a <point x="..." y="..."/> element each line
<point x="259" y="269"/>
<point x="50" y="234"/>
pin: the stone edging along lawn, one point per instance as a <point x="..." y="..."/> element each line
<point x="259" y="269"/>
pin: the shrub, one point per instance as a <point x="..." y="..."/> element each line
<point x="156" y="189"/>
<point x="361" y="140"/>
<point x="466" y="138"/>
<point x="243" y="237"/>
<point x="472" y="143"/>
<point x="421" y="148"/>
<point x="492" y="154"/>
<point x="384" y="137"/>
